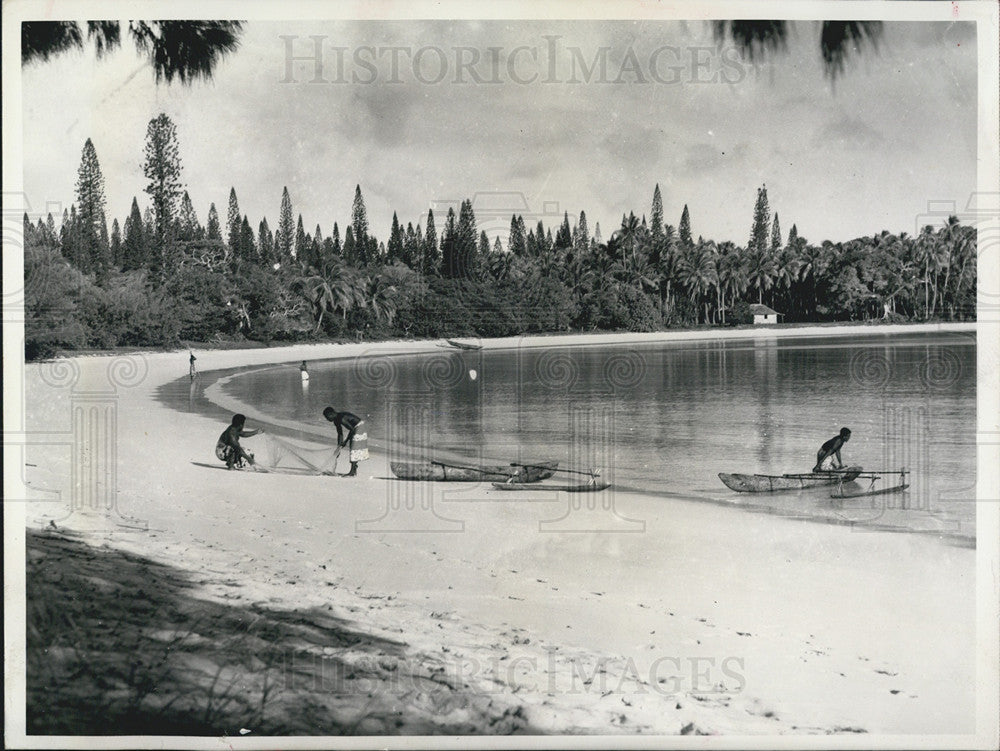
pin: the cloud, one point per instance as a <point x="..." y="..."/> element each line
<point x="850" y="132"/>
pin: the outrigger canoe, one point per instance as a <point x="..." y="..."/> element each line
<point x="457" y="473"/>
<point x="773" y="483"/>
<point x="463" y="345"/>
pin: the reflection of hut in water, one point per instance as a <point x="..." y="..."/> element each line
<point x="764" y="315"/>
<point x="765" y="358"/>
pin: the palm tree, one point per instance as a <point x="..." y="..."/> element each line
<point x="787" y="269"/>
<point x="927" y="251"/>
<point x="664" y="261"/>
<point x="697" y="272"/>
<point x="761" y="270"/>
<point x="628" y="235"/>
<point x="732" y="275"/>
<point x="959" y="244"/>
<point x="391" y="287"/>
<point x="186" y="50"/>
<point x="349" y="288"/>
<point x="320" y="295"/>
<point x="580" y="274"/>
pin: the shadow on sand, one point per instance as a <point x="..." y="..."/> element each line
<point x="119" y="644"/>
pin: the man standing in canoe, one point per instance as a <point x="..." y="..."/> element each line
<point x="356" y="440"/>
<point x="829" y="450"/>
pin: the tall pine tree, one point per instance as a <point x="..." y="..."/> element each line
<point x="301" y="246"/>
<point x="359" y="223"/>
<point x="350" y="247"/>
<point x="135" y="246"/>
<point x="411" y="246"/>
<point x="284" y="236"/>
<point x="775" y="234"/>
<point x="162" y="167"/>
<point x="265" y="244"/>
<point x="468" y="242"/>
<point x="316" y="250"/>
<point x="188" y="228"/>
<point x="394" y="248"/>
<point x="116" y="244"/>
<point x="759" y="233"/>
<point x="431" y="261"/>
<point x="656" y="215"/>
<point x="90" y="248"/>
<point x="451" y="265"/>
<point x="248" y="245"/>
<point x="335" y="238"/>
<point x="564" y="237"/>
<point x="516" y="239"/>
<point x="581" y="240"/>
<point x="213" y="231"/>
<point x="684" y="230"/>
<point x="234" y="223"/>
<point x="50" y="230"/>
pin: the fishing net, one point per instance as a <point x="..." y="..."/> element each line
<point x="284" y="456"/>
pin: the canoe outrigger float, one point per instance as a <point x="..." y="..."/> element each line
<point x="584" y="487"/>
<point x="441" y="471"/>
<point x="874" y="476"/>
<point x="592" y="486"/>
<point x="774" y="483"/>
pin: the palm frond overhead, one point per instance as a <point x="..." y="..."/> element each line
<point x="757" y="39"/>
<point x="182" y="50"/>
<point x="840" y="39"/>
<point x="761" y="39"/>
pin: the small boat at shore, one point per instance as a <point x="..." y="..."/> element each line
<point x="774" y="483"/>
<point x="444" y="472"/>
<point x="463" y="345"/>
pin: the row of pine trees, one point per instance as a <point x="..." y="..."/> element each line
<point x="161" y="277"/>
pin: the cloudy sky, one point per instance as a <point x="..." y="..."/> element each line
<point x="524" y="115"/>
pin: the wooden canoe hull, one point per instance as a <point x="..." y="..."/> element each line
<point x="462" y="345"/>
<point x="774" y="483"/>
<point x="448" y="473"/>
<point x="581" y="488"/>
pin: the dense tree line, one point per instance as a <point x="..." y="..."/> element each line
<point x="161" y="277"/>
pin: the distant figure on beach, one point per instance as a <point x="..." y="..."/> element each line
<point x="228" y="449"/>
<point x="192" y="370"/>
<point x="355" y="441"/>
<point x="304" y="370"/>
<point x="831" y="449"/>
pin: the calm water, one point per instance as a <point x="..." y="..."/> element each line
<point x="665" y="419"/>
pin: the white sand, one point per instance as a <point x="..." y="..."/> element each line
<point x="736" y="622"/>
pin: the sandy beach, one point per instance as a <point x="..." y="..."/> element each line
<point x="330" y="607"/>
